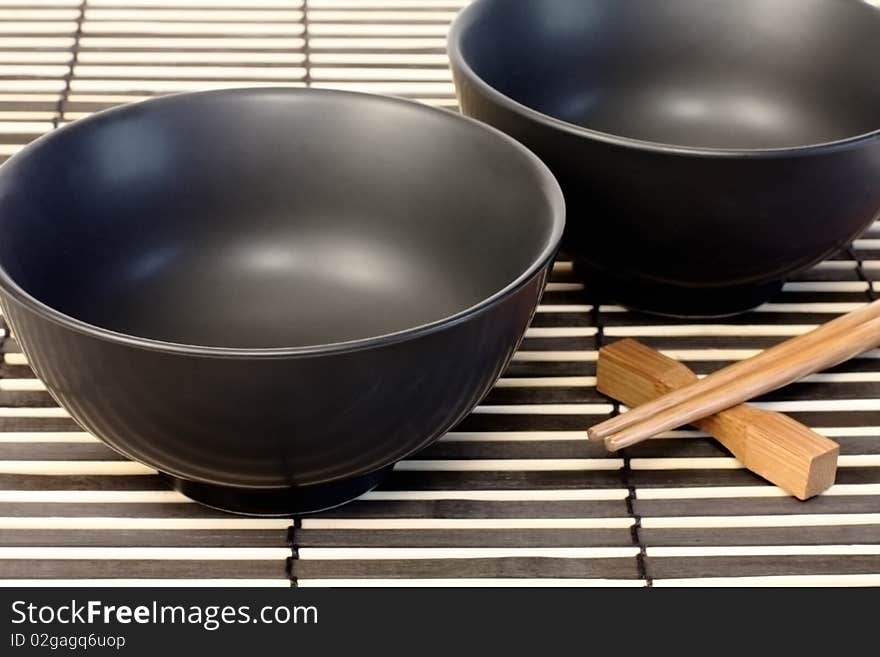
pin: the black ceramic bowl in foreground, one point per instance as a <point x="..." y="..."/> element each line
<point x="271" y="296"/>
<point x="707" y="149"/>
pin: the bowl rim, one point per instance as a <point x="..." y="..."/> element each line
<point x="466" y="17"/>
<point x="546" y="184"/>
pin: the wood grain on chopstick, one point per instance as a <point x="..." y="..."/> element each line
<point x="762" y="376"/>
<point x="819" y="336"/>
<point x="773" y="446"/>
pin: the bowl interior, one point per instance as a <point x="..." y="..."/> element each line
<point x="744" y="74"/>
<point x="270" y="219"/>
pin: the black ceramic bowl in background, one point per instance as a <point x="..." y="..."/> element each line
<point x="707" y="149"/>
<point x="271" y="296"/>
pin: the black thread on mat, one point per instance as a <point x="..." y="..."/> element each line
<point x="636" y="529"/>
<point x="61" y="107"/>
<point x="293" y="544"/>
<point x="862" y="274"/>
<point x="307" y="48"/>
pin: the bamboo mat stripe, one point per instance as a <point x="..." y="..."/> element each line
<point x="514" y="495"/>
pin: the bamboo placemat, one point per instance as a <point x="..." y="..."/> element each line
<point x="514" y="495"/>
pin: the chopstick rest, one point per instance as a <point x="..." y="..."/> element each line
<point x="772" y="445"/>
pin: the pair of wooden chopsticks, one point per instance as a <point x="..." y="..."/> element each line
<point x="776" y="447"/>
<point x="823" y="347"/>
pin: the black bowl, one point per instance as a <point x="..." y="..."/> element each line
<point x="707" y="149"/>
<point x="271" y="296"/>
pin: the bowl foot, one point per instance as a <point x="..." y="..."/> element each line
<point x="674" y="300"/>
<point x="280" y="502"/>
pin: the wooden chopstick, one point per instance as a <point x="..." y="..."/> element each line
<point x="733" y="373"/>
<point x="757" y="380"/>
